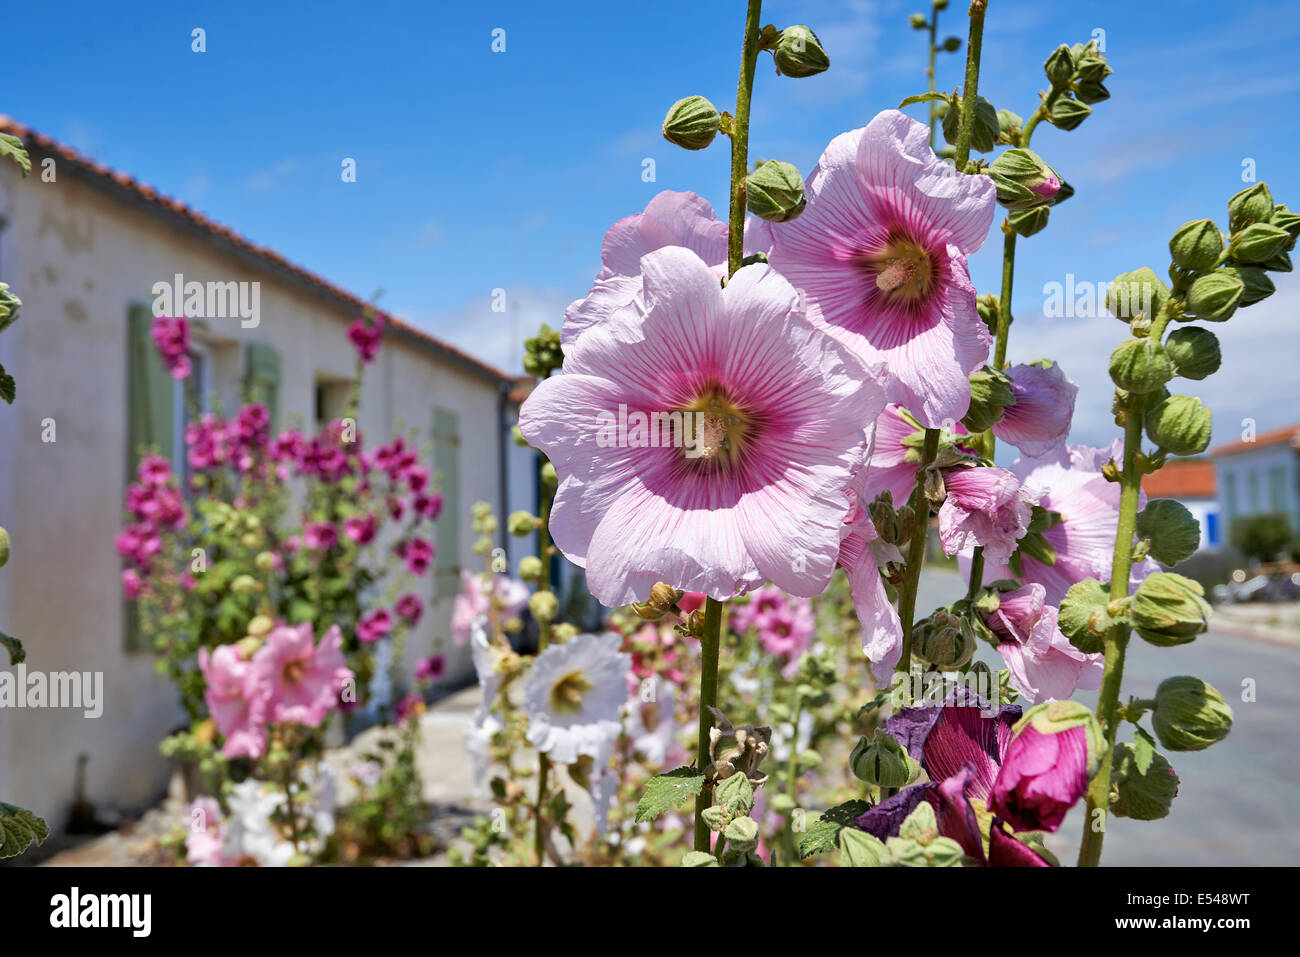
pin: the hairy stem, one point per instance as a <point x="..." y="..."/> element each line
<point x="916" y="550"/>
<point x="740" y="139"/>
<point x="974" y="44"/>
<point x="934" y="27"/>
<point x="710" y="642"/>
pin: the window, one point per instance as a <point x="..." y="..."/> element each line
<point x="1277" y="489"/>
<point x="1252" y="492"/>
<point x="1230" y="495"/>
<point x="446" y="474"/>
<point x="331" y="400"/>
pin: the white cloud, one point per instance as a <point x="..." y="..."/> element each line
<point x="497" y="337"/>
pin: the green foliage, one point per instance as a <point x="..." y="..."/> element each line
<point x="667" y="791"/>
<point x="1261" y="537"/>
<point x="822" y="834"/>
<point x="19" y="828"/>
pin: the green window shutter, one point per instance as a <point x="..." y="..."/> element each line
<point x="151" y="404"/>
<point x="446" y="470"/>
<point x="262" y="379"/>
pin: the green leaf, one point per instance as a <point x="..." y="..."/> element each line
<point x="930" y="97"/>
<point x="18" y="829"/>
<point x="1144" y="750"/>
<point x="823" y="831"/>
<point x="15" y="648"/>
<point x="667" y="791"/>
<point x="12" y="147"/>
<point x="7" y="387"/>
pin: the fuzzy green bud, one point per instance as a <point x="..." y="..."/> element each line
<point x="984" y="131"/>
<point x="774" y="191"/>
<point x="1194" y="352"/>
<point x="988" y="306"/>
<point x="699" y="859"/>
<point x="736" y="793"/>
<point x="1216" y="295"/>
<point x="1084" y="618"/>
<point x="691" y="123"/>
<point x="1283" y="218"/>
<point x="1257" y="243"/>
<point x="521" y="524"/>
<point x="544" y="606"/>
<point x="1181" y="425"/>
<point x="1190" y="715"/>
<point x="1254" y="204"/>
<point x="530" y="569"/>
<point x="1092" y="67"/>
<point x="860" y="849"/>
<point x="1023" y="180"/>
<point x="990" y="393"/>
<point x="1086" y="91"/>
<point x="918" y="21"/>
<point x="244" y="585"/>
<point x="1066" y="113"/>
<point x="799" y="53"/>
<point x="1196" y="245"/>
<point x="1140" y="366"/>
<point x="259" y="626"/>
<point x="1059" y="67"/>
<point x="944" y="640"/>
<point x="549" y="479"/>
<point x="1137" y="293"/>
<point x="881" y="760"/>
<point x="1256" y="284"/>
<point x="1169" y="609"/>
<point x="1009" y="126"/>
<point x="742" y="834"/>
<point x="1143" y="795"/>
<point x="1172" y="530"/>
<point x="951" y="44"/>
<point x="1027" y="222"/>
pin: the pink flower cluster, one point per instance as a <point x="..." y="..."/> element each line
<point x="156" y="505"/>
<point x="366" y="336"/>
<point x="784" y="625"/>
<point x="171" y="337"/>
<point x="290" y="679"/>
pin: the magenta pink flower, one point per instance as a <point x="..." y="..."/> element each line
<point x="670" y="219"/>
<point x="304" y="679"/>
<point x="205" y="834"/>
<point x="752" y="487"/>
<point x="430" y="506"/>
<point x="789" y="630"/>
<point x="154" y="470"/>
<point x="892" y="463"/>
<point x="360" y="529"/>
<point x="762" y="603"/>
<point x="410" y="608"/>
<point x="319" y="535"/>
<point x="476" y="600"/>
<point x="418" y="554"/>
<point x="132" y="583"/>
<point x="1043" y="663"/>
<point x="431" y="668"/>
<point x="237" y="695"/>
<point x="171" y="337"/>
<point x="984" y="506"/>
<point x="1043" y="775"/>
<point x="366" y="337"/>
<point x="1040" y="419"/>
<point x="881" y="253"/>
<point x="374" y="626"/>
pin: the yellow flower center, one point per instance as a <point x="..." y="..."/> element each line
<point x="902" y="271"/>
<point x="566" y="694"/>
<point x="715" y="428"/>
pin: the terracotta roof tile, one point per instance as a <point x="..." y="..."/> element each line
<point x="1181" y="478"/>
<point x="1286" y="434"/>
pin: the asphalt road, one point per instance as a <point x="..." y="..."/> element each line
<point x="1235" y="801"/>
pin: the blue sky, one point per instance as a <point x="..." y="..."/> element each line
<point x="479" y="170"/>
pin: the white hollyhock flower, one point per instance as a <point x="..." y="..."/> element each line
<point x="652" y="725"/>
<point x="478" y="736"/>
<point x="573" y="697"/>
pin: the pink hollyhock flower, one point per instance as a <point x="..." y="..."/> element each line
<point x="304" y="678"/>
<point x="477" y="598"/>
<point x="691" y="601"/>
<point x="360" y="529"/>
<point x="366" y="337"/>
<point x="1043" y="663"/>
<point x="880" y="251"/>
<point x="984" y="506"/>
<point x="431" y="668"/>
<point x="430" y="506"/>
<point x="410" y="608"/>
<point x="762" y="603"/>
<point x="862" y="554"/>
<point x="1046" y="766"/>
<point x="319" y="535"/>
<point x="154" y="470"/>
<point x="132" y="583"/>
<point x="171" y="337"/>
<point x="1040" y="419"/>
<point x="789" y="630"/>
<point x="409" y="707"/>
<point x="893" y="460"/>
<point x="417" y="477"/>
<point x="670" y="219"/>
<point x="237" y="694"/>
<point x="374" y="626"/>
<point x="418" y="555"/>
<point x="1072" y="485"/>
<point x="754" y="489"/>
<point x="205" y="834"/>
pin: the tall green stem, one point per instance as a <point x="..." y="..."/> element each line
<point x="934" y="27"/>
<point x="916" y="550"/>
<point x="710" y="643"/>
<point x="974" y="45"/>
<point x="740" y="138"/>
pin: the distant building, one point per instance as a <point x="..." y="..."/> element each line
<point x="83" y="251"/>
<point x="1190" y="482"/>
<point x="1260" y="477"/>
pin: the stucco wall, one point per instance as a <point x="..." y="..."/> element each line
<point x="1240" y="468"/>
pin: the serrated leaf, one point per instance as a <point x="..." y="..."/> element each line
<point x="874" y="703"/>
<point x="667" y="791"/>
<point x="823" y="832"/>
<point x="14" y="647"/>
<point x="923" y="98"/>
<point x="18" y="829"/>
<point x="12" y="147"/>
<point x="1144" y="750"/>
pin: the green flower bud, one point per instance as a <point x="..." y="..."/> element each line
<point x="1169" y="609"/>
<point x="1283" y="218"/>
<point x="742" y="834"/>
<point x="1059" y="67"/>
<point x="1256" y="282"/>
<point x="918" y="21"/>
<point x="990" y="393"/>
<point x="1089" y="92"/>
<point x="799" y="53"/>
<point x="530" y="569"/>
<point x="1258" y="243"/>
<point x="517" y="434"/>
<point x="691" y="123"/>
<point x="883" y="761"/>
<point x="1026" y="222"/>
<point x="543" y="605"/>
<point x="987" y="306"/>
<point x="984" y="131"/>
<point x="952" y="44"/>
<point x="1193" y="351"/>
<point x="1279" y="263"/>
<point x="860" y="849"/>
<point x="9" y="304"/>
<point x="244" y="585"/>
<point x="774" y="191"/>
<point x="1216" y="295"/>
<point x="1093" y="68"/>
<point x="944" y="640"/>
<point x="1190" y="715"/>
<point x="736" y="794"/>
<point x="1197" y="245"/>
<point x="1174" y="533"/>
<point x="939" y="4"/>
<point x="1181" y="425"/>
<point x="1137" y="293"/>
<point x="549" y="479"/>
<point x="1023" y="180"/>
<point x="264" y="562"/>
<point x="259" y="626"/>
<point x="521" y="524"/>
<point x="4" y="546"/>
<point x="1254" y="204"/>
<point x="1140" y="366"/>
<point x="781" y="803"/>
<point x="1143" y="795"/>
<point x="1084" y="618"/>
<point x="699" y="859"/>
<point x="1009" y="125"/>
<point x="1066" y="113"/>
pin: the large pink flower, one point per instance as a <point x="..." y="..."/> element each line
<point x="1042" y="661"/>
<point x="985" y="506"/>
<point x="863" y="554"/>
<point x="892" y="464"/>
<point x="304" y="678"/>
<point x="236" y="694"/>
<point x="881" y="250"/>
<point x="1040" y="419"/>
<point x="749" y="488"/>
<point x="670" y="219"/>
